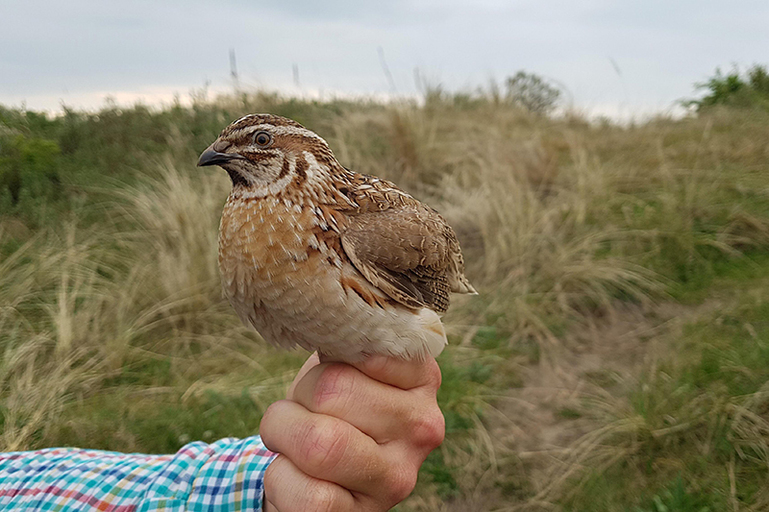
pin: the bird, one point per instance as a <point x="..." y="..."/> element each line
<point x="312" y="254"/>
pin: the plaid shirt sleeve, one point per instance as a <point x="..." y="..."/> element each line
<point x="227" y="475"/>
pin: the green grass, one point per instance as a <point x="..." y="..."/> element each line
<point x="114" y="333"/>
<point x="701" y="415"/>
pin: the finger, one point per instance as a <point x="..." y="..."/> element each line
<point x="325" y="447"/>
<point x="340" y="390"/>
<point x="308" y="365"/>
<point x="402" y="373"/>
<point x="287" y="489"/>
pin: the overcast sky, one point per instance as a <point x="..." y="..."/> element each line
<point x="610" y="55"/>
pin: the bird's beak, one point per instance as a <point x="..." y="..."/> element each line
<point x="212" y="157"/>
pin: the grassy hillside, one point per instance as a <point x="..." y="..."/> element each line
<point x="616" y="359"/>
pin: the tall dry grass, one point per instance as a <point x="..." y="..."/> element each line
<point x="82" y="304"/>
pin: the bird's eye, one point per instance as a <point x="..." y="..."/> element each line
<point x="262" y="139"/>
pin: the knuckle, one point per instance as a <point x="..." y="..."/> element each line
<point x="334" y="385"/>
<point x="271" y="411"/>
<point x="269" y="427"/>
<point x="401" y="483"/>
<point x="324" y="444"/>
<point x="429" y="429"/>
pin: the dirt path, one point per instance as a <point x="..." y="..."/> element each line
<point x="533" y="427"/>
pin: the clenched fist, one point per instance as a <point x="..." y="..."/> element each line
<point x="351" y="437"/>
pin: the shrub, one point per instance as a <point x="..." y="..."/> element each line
<point x="532" y="92"/>
<point x="28" y="171"/>
<point x="735" y="89"/>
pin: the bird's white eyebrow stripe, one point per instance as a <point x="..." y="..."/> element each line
<point x="295" y="130"/>
<point x="276" y="130"/>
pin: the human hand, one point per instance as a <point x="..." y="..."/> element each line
<point x="351" y="436"/>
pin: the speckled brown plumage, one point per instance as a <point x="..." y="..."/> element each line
<point x="315" y="255"/>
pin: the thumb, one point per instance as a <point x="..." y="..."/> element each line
<point x="308" y="365"/>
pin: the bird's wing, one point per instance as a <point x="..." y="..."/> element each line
<point x="404" y="253"/>
<point x="401" y="246"/>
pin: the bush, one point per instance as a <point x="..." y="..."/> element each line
<point x="735" y="89"/>
<point x="532" y="92"/>
<point x="28" y="171"/>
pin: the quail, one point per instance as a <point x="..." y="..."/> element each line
<point x="312" y="254"/>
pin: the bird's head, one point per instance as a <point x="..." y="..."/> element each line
<point x="265" y="153"/>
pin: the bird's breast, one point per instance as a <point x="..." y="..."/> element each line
<point x="269" y="248"/>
